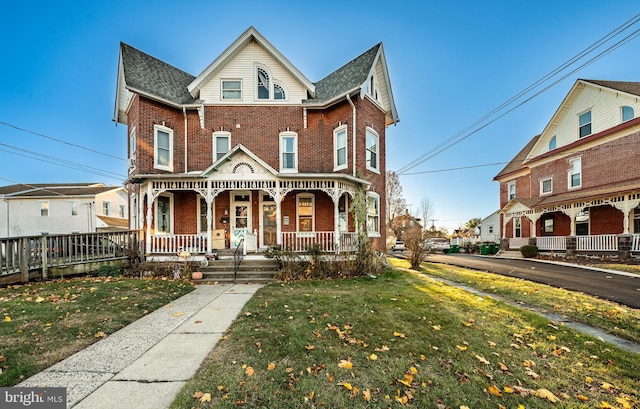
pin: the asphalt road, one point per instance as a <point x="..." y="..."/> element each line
<point x="623" y="289"/>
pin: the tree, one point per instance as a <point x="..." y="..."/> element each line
<point x="413" y="242"/>
<point x="396" y="204"/>
<point x="426" y="210"/>
<point x="473" y="223"/>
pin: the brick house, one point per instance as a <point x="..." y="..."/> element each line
<point x="576" y="187"/>
<point x="251" y="149"/>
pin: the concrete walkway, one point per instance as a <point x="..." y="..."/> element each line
<point x="145" y="364"/>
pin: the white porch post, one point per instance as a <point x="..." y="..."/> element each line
<point x="626" y="206"/>
<point x="150" y="200"/>
<point x="572" y="213"/>
<point x="209" y="200"/>
<point x="278" y="199"/>
<point x="336" y="218"/>
<point x="533" y="218"/>
<point x="505" y="220"/>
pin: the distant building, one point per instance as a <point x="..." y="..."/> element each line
<point x="490" y="227"/>
<point x="400" y="224"/>
<point x="37" y="209"/>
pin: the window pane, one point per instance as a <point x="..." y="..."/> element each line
<point x="278" y="92"/>
<point x="627" y="113"/>
<point x="222" y="144"/>
<point x="546" y="186"/>
<point x="263" y="84"/>
<point x="231" y="85"/>
<point x="287" y="144"/>
<point x="342" y="156"/>
<point x="288" y="161"/>
<point x="552" y="143"/>
<point x="585" y="124"/>
<point x="585" y="118"/>
<point x="575" y="180"/>
<point x="163" y="157"/>
<point x="163" y="140"/>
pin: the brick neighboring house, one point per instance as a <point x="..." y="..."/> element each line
<point x="250" y="148"/>
<point x="575" y="188"/>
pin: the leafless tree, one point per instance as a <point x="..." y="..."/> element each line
<point x="427" y="210"/>
<point x="396" y="204"/>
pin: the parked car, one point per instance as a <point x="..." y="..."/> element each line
<point x="437" y="245"/>
<point x="398" y="246"/>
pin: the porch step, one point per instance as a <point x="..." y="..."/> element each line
<point x="250" y="270"/>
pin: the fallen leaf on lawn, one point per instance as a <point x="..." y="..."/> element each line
<point x="309" y="347"/>
<point x="346" y="385"/>
<point x="205" y="398"/>
<point x="482" y="359"/>
<point x="546" y="394"/>
<point x="250" y="371"/>
<point x="366" y="394"/>
<point x="605" y="405"/>
<point x="494" y="390"/>
<point x="408" y="379"/>
<point x="624" y="402"/>
<point x="508" y="389"/>
<point x="464" y="407"/>
<point x="383" y="349"/>
<point x="532" y="374"/>
<point x="461" y="348"/>
<point x="606" y="385"/>
<point x="39" y="299"/>
<point x="588" y="379"/>
<point x="345" y="364"/>
<point x="7" y="318"/>
<point x="398" y="334"/>
<point x="100" y="334"/>
<point x="582" y="398"/>
<point x="413" y="370"/>
<point x="198" y="394"/>
<point x="437" y="327"/>
<point x="373" y="357"/>
<point x="311" y="395"/>
<point x="503" y="367"/>
<point x="271" y="366"/>
<point x="528" y="363"/>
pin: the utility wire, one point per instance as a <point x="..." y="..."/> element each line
<point x="448" y="143"/>
<point x="60" y="140"/>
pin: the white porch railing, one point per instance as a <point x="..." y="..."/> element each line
<point x="553" y="243"/>
<point x="635" y="242"/>
<point x="173" y="244"/>
<point x="602" y="242"/>
<point x="301" y="241"/>
<point x="517" y="242"/>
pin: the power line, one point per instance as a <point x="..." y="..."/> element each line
<point x="450" y="142"/>
<point x="60" y="141"/>
<point x="452" y="169"/>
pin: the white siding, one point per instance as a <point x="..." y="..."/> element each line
<point x="243" y="67"/>
<point x="605" y="105"/>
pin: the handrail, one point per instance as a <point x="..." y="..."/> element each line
<point x="238" y="256"/>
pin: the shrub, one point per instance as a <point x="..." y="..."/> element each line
<point x="529" y="251"/>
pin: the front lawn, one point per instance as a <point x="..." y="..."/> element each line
<point x="43" y="323"/>
<point x="404" y="339"/>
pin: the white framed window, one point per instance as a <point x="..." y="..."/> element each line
<point x="627" y="113"/>
<point x="373" y="157"/>
<point x="340" y="148"/>
<point x="203" y="225"/>
<point x="305" y="205"/>
<point x="231" y="89"/>
<point x="278" y="91"/>
<point x="546" y="186"/>
<point x="574" y="174"/>
<point x="121" y="211"/>
<point x="373" y="87"/>
<point x="288" y="152"/>
<point x="221" y="144"/>
<point x="343" y="207"/>
<point x="74" y="207"/>
<point x="511" y="190"/>
<point x="584" y="124"/>
<point x="517" y="227"/>
<point x="552" y="143"/>
<point x="43" y="208"/>
<point x="373" y="214"/>
<point x="163" y="212"/>
<point x="106" y="208"/>
<point x="163" y="148"/>
<point x="263" y="84"/>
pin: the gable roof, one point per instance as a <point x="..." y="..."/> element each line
<point x="632" y="88"/>
<point x="516" y="163"/>
<point x="251" y="34"/>
<point x="233" y="152"/>
<point x="55" y="190"/>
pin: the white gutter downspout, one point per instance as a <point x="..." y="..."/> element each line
<point x="354" y="134"/>
<point x="184" y="112"/>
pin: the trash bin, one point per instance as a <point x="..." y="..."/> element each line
<point x="454" y="248"/>
<point x="493" y="248"/>
<point x="484" y="249"/>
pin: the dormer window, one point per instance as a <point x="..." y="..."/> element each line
<point x="263" y="84"/>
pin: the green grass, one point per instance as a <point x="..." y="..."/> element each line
<point x="412" y="341"/>
<point x="614" y="318"/>
<point x="43" y="323"/>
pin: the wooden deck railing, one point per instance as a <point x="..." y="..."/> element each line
<point x="601" y="242"/>
<point x="552" y="243"/>
<point x="635" y="243"/>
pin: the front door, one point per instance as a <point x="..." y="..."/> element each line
<point x="240" y="216"/>
<point x="269" y="228"/>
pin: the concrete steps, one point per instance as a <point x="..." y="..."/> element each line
<point x="251" y="270"/>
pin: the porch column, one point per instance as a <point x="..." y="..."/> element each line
<point x="505" y="220"/>
<point x="626" y="206"/>
<point x="572" y="213"/>
<point x="336" y="219"/>
<point x="278" y="198"/>
<point x="209" y="200"/>
<point x="150" y="200"/>
<point x="533" y="218"/>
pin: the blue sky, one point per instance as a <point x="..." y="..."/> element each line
<point x="450" y="64"/>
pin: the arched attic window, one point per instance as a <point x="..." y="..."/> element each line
<point x="552" y="143"/>
<point x="263" y="84"/>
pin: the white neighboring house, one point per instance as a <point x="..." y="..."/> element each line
<point x="490" y="227"/>
<point x="38" y="209"/>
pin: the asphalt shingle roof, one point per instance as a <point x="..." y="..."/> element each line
<point x="624" y="86"/>
<point x="55" y="190"/>
<point x="516" y="162"/>
<point x="349" y="76"/>
<point x="154" y="77"/>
